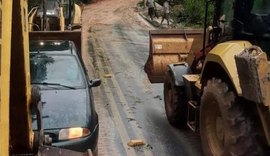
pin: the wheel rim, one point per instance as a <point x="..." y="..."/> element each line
<point x="227" y="123"/>
<point x="220" y="130"/>
<point x="215" y="130"/>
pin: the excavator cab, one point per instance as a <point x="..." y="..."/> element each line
<point x="68" y="10"/>
<point x="46" y="16"/>
<point x="252" y="22"/>
<point x="242" y="20"/>
<point x="252" y="17"/>
<point x="55" y="15"/>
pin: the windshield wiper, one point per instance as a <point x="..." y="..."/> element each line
<point x="54" y="84"/>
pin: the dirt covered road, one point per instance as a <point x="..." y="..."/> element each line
<point x="115" y="49"/>
<point x="108" y="12"/>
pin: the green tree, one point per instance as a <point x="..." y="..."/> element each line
<point x="194" y="11"/>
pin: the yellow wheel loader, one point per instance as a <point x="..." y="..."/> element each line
<point x="55" y="15"/>
<point x="217" y="80"/>
<point x="17" y="98"/>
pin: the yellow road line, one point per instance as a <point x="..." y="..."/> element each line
<point x="136" y="129"/>
<point x="117" y="118"/>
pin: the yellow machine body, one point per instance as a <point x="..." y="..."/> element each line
<point x="21" y="135"/>
<point x="223" y="54"/>
<point x="15" y="122"/>
<point x="228" y="55"/>
<point x="63" y="24"/>
<point x="5" y="46"/>
<point x="77" y="18"/>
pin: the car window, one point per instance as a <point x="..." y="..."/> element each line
<point x="60" y="69"/>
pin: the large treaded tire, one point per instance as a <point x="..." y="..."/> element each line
<point x="239" y="132"/>
<point x="175" y="102"/>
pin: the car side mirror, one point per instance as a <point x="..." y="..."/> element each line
<point x="94" y="82"/>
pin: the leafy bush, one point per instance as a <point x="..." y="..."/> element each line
<point x="189" y="12"/>
<point x="176" y="2"/>
<point x="193" y="12"/>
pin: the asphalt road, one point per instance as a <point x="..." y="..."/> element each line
<point x="129" y="106"/>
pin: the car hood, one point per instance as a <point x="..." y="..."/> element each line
<point x="64" y="108"/>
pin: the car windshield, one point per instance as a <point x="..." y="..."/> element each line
<point x="55" y="69"/>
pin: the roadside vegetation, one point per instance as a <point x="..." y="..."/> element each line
<point x="188" y="13"/>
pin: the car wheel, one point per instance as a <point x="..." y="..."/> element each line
<point x="226" y="124"/>
<point x="175" y="102"/>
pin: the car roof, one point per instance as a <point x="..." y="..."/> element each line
<point x="52" y="47"/>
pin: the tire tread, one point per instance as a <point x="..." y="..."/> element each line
<point x="243" y="139"/>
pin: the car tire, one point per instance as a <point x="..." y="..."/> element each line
<point x="227" y="126"/>
<point x="175" y="102"/>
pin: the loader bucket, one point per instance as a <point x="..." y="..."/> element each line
<point x="170" y="46"/>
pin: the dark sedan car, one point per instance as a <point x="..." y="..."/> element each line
<point x="68" y="111"/>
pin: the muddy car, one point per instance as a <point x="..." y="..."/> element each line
<point x="68" y="112"/>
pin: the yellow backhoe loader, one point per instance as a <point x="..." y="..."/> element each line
<point x="55" y="15"/>
<point x="216" y="81"/>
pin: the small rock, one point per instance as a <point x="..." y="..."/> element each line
<point x="158" y="97"/>
<point x="137" y="142"/>
<point x="107" y="76"/>
<point x="131" y="119"/>
<point x="148" y="146"/>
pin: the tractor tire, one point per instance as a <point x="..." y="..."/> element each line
<point x="227" y="124"/>
<point x="175" y="102"/>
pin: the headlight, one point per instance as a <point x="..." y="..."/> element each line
<point x="41" y="43"/>
<point x="57" y="43"/>
<point x="73" y="133"/>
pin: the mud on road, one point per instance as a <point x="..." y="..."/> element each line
<point x="115" y="48"/>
